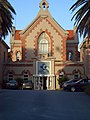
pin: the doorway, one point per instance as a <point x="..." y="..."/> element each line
<point x="44" y="83"/>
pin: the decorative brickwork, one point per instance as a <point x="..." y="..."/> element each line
<point x="64" y="49"/>
<point x="19" y="65"/>
<point x="24" y="40"/>
<point x="36" y="42"/>
<point x="45" y="33"/>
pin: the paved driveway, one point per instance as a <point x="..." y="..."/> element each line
<point x="44" y="105"/>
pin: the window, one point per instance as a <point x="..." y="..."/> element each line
<point x="43" y="43"/>
<point x="76" y="76"/>
<point x="43" y="46"/>
<point x="17" y="56"/>
<point x="10" y="76"/>
<point x="70" y="56"/>
<point x="61" y="74"/>
<point x="26" y="76"/>
<point x="43" y="5"/>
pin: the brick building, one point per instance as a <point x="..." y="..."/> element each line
<point x="3" y="59"/>
<point x="85" y="56"/>
<point x="43" y="51"/>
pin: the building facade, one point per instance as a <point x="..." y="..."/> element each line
<point x="3" y="59"/>
<point x="43" y="51"/>
<point x="85" y="56"/>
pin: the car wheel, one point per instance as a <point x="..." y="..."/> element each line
<point x="73" y="89"/>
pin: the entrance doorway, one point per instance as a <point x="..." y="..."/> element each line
<point x="44" y="83"/>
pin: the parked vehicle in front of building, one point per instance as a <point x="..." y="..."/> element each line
<point x="12" y="84"/>
<point x="70" y="81"/>
<point x="79" y="85"/>
<point x="27" y="84"/>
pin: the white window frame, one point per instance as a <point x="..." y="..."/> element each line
<point x="43" y="46"/>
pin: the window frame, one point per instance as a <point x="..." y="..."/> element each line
<point x="43" y="46"/>
<point x="10" y="76"/>
<point x="26" y="76"/>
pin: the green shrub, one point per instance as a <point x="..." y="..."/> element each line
<point x="62" y="80"/>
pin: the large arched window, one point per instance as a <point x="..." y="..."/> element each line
<point x="43" y="46"/>
<point x="43" y="43"/>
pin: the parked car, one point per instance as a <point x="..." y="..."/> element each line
<point x="79" y="85"/>
<point x="4" y="84"/>
<point x="70" y="81"/>
<point x="12" y="84"/>
<point x="27" y="84"/>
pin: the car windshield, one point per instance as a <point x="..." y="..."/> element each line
<point x="12" y="81"/>
<point x="72" y="80"/>
<point x="27" y="81"/>
<point x="82" y="80"/>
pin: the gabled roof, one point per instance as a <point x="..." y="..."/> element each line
<point x="45" y="14"/>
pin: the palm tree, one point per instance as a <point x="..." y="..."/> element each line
<point x="6" y="18"/>
<point x="82" y="16"/>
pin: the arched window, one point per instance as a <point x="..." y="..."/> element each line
<point x="10" y="76"/>
<point x="70" y="56"/>
<point x="44" y="5"/>
<point x="43" y="44"/>
<point x="17" y="56"/>
<point x="26" y="76"/>
<point x="77" y="74"/>
<point x="61" y="74"/>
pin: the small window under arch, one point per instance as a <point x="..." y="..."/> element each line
<point x="18" y="56"/>
<point x="10" y="76"/>
<point x="70" y="56"/>
<point x="26" y="76"/>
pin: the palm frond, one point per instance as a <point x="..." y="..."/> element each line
<point x="82" y="17"/>
<point x="6" y="17"/>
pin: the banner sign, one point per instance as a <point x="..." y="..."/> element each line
<point x="43" y="68"/>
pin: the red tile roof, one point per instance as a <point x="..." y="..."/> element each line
<point x="17" y="35"/>
<point x="71" y="35"/>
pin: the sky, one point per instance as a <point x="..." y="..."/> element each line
<point x="27" y="10"/>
